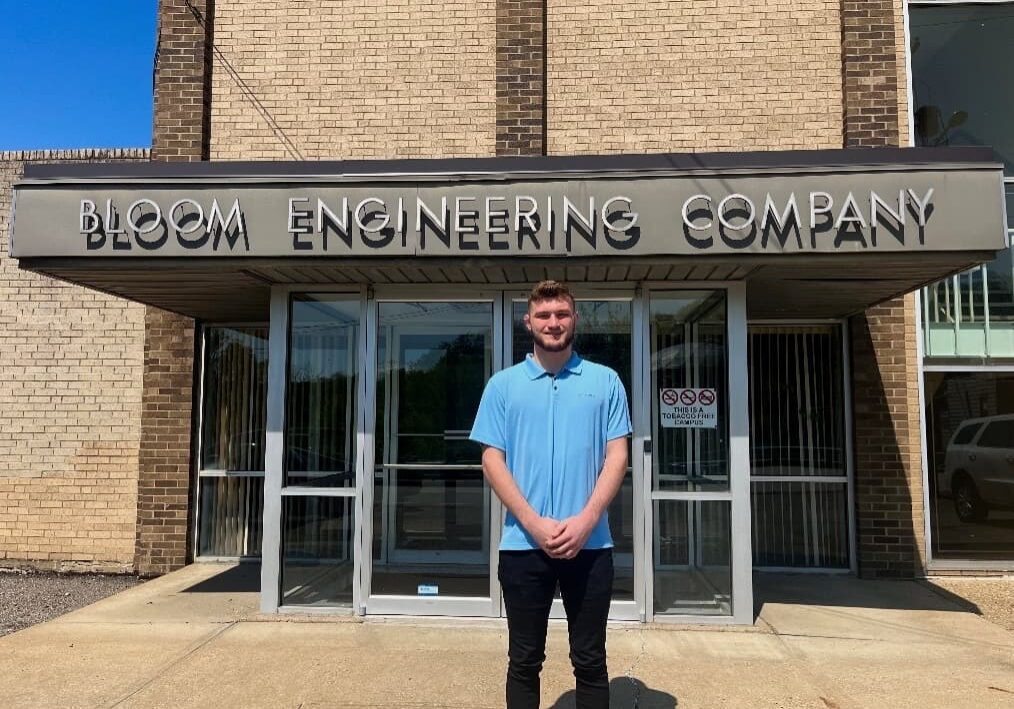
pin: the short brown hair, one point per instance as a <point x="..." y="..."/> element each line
<point x="550" y="290"/>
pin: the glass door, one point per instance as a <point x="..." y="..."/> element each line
<point x="431" y="507"/>
<point x="697" y="456"/>
<point x="605" y="336"/>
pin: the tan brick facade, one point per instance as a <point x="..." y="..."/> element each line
<point x="385" y="79"/>
<point x="888" y="457"/>
<point x="181" y="94"/>
<point x="163" y="487"/>
<point x="885" y="387"/>
<point x="520" y="77"/>
<point x="70" y="403"/>
<point x="688" y="76"/>
<point x="901" y="69"/>
<point x="870" y="73"/>
<point x="180" y="134"/>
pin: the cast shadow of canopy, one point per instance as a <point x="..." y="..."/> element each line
<point x="242" y="578"/>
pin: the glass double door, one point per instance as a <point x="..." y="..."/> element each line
<point x="374" y="497"/>
<point x="431" y="506"/>
<point x="681" y="522"/>
<point x="435" y="521"/>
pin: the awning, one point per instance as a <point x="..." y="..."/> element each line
<point x="813" y="233"/>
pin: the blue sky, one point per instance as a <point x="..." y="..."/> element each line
<point x="76" y="74"/>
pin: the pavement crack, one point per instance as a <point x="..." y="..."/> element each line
<point x="810" y="671"/>
<point x="172" y="663"/>
<point x="635" y="684"/>
<point x="926" y="635"/>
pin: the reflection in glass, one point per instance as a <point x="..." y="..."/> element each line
<point x="688" y="350"/>
<point x="692" y="558"/>
<point x="970" y="436"/>
<point x="621" y="527"/>
<point x="962" y="88"/>
<point x="321" y="392"/>
<point x="603" y="336"/>
<point x="231" y="513"/>
<point x="800" y="524"/>
<point x="431" y="503"/>
<point x="1009" y="199"/>
<point x="317" y="550"/>
<point x="234" y="411"/>
<point x="1000" y="283"/>
<point x="963" y="94"/>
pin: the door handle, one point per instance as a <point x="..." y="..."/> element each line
<point x="971" y="456"/>
<point x="1010" y="459"/>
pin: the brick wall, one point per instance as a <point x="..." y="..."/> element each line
<point x="70" y="400"/>
<point x="344" y="79"/>
<point x="520" y="77"/>
<point x="183" y="60"/>
<point x="901" y="71"/>
<point x="888" y="463"/>
<point x="163" y="489"/>
<point x="179" y="134"/>
<point x="684" y="75"/>
<point x="889" y="480"/>
<point x="870" y="82"/>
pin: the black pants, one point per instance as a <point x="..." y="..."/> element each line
<point x="529" y="580"/>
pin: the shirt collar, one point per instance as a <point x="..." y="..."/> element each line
<point x="535" y="371"/>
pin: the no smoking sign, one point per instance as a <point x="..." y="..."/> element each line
<point x="688" y="408"/>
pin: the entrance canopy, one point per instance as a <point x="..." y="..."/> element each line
<point x="813" y="233"/>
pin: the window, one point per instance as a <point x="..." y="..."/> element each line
<point x="963" y="94"/>
<point x="318" y="486"/>
<point x="971" y="481"/>
<point x="233" y="419"/>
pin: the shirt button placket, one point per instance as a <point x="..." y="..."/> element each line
<point x="552" y="448"/>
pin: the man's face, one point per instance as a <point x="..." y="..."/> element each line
<point x="552" y="323"/>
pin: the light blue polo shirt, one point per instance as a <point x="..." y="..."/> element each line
<point x="554" y="431"/>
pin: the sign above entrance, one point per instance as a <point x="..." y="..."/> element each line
<point x="688" y="408"/>
<point x="815" y="209"/>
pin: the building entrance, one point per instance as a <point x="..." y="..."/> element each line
<point x="415" y="528"/>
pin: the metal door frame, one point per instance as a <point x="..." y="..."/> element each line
<point x="274" y="450"/>
<point x="408" y="604"/>
<point x="501" y="298"/>
<point x="738" y="495"/>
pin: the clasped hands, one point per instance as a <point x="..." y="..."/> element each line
<point x="562" y="539"/>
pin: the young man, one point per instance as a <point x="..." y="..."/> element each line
<point x="554" y="431"/>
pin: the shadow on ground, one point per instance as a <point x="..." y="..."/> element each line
<point x="243" y="578"/>
<point x="851" y="592"/>
<point x="769" y="588"/>
<point x="626" y="692"/>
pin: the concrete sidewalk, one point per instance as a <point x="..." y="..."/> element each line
<point x="194" y="639"/>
